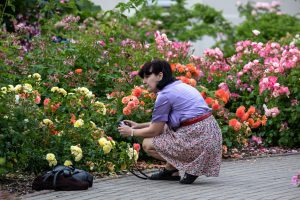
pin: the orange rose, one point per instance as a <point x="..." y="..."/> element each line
<point x="240" y="112"/>
<point x="188" y="75"/>
<point x="251" y="110"/>
<point x="233" y="122"/>
<point x="257" y="123"/>
<point x="137" y="91"/>
<point x="209" y="100"/>
<point x="78" y="71"/>
<point x="126" y="111"/>
<point x="245" y="117"/>
<point x="192" y="82"/>
<point x="215" y="105"/>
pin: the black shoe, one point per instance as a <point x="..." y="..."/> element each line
<point x="188" y="179"/>
<point x="165" y="175"/>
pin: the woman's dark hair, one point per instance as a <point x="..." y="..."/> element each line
<point x="155" y="67"/>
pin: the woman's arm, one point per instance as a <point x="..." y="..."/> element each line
<point x="142" y="125"/>
<point x="152" y="130"/>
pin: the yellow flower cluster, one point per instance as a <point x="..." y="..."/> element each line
<point x="50" y="157"/>
<point x="27" y="88"/>
<point x="102" y="108"/>
<point x="106" y="145"/>
<point x="9" y="88"/>
<point x="131" y="152"/>
<point x="77" y="152"/>
<point x="78" y="123"/>
<point x="59" y="90"/>
<point x="36" y="76"/>
<point x="84" y="91"/>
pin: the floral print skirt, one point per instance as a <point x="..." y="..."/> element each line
<point x="195" y="149"/>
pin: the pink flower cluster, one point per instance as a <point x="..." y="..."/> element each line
<point x="70" y="19"/>
<point x="65" y="23"/>
<point x="254" y="70"/>
<point x="290" y="57"/>
<point x="273" y="112"/>
<point x="273" y="6"/>
<point x="215" y="60"/>
<point x="270" y="83"/>
<point x="169" y="48"/>
<point x="216" y="53"/>
<point x="132" y="43"/>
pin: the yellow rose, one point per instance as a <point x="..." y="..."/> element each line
<point x="27" y="87"/>
<point x="36" y="76"/>
<point x="78" y="123"/>
<point x="18" y="88"/>
<point x="106" y="149"/>
<point x="50" y="156"/>
<point x="4" y="90"/>
<point x="47" y="122"/>
<point x="102" y="108"/>
<point x="52" y="163"/>
<point x="132" y="152"/>
<point x="11" y="88"/>
<point x="62" y="91"/>
<point x="54" y="89"/>
<point x="78" y="157"/>
<point x="113" y="142"/>
<point x="68" y="163"/>
<point x="82" y="90"/>
<point x="102" y="141"/>
<point x="75" y="150"/>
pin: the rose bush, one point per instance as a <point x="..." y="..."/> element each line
<point x="67" y="126"/>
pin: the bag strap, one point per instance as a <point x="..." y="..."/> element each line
<point x="145" y="176"/>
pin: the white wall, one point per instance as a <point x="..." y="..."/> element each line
<point x="228" y="7"/>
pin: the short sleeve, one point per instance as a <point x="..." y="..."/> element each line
<point x="162" y="108"/>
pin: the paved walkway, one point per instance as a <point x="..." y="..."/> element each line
<point x="261" y="178"/>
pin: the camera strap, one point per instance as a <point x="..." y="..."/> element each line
<point x="134" y="168"/>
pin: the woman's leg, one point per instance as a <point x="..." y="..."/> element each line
<point x="150" y="150"/>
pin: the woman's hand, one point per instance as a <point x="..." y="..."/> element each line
<point x="131" y="123"/>
<point x="125" y="130"/>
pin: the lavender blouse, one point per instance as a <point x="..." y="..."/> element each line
<point x="178" y="102"/>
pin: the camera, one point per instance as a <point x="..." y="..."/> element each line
<point x="122" y="123"/>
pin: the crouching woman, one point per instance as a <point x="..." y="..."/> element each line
<point x="182" y="132"/>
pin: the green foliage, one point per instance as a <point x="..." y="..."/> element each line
<point x="272" y="27"/>
<point x="181" y="23"/>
